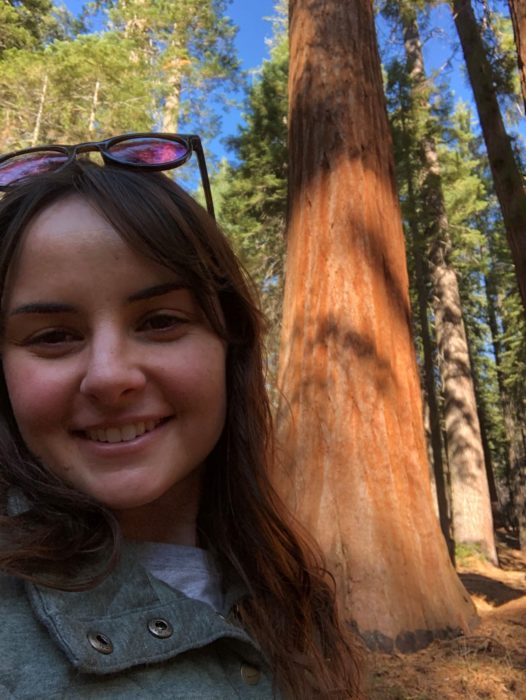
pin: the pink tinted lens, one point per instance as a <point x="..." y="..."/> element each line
<point x="27" y="164"/>
<point x="148" y="151"/>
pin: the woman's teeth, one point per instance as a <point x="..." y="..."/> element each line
<point x="123" y="433"/>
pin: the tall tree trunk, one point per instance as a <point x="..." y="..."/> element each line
<point x="173" y="65"/>
<point x="94" y="104"/>
<point x="355" y="467"/>
<point x="471" y="505"/>
<point x="507" y="177"/>
<point x="516" y="464"/>
<point x="517" y="473"/>
<point x="518" y="18"/>
<point x="432" y="400"/>
<point x="483" y="422"/>
<point x="421" y="275"/>
<point x="38" y="121"/>
<point x="171" y="106"/>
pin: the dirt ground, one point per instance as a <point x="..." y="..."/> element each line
<point x="490" y="664"/>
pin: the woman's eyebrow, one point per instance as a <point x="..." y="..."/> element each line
<point x="42" y="308"/>
<point x="53" y="307"/>
<point x="156" y="291"/>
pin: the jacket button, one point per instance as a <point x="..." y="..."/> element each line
<point x="100" y="642"/>
<point x="160" y="628"/>
<point x="250" y="674"/>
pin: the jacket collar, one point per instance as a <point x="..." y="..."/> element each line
<point x="115" y="625"/>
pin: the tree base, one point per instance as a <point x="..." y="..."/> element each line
<point x="409" y="641"/>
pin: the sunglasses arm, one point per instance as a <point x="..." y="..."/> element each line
<point x="204" y="178"/>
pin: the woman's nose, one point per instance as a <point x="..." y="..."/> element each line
<point x="113" y="371"/>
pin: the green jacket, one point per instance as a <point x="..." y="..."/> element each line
<point x="130" y="637"/>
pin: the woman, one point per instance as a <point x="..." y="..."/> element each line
<point x="144" y="551"/>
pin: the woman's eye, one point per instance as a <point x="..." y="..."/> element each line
<point x="162" y="322"/>
<point x="53" y="342"/>
<point x="56" y="336"/>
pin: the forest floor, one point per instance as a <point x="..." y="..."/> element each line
<point x="489" y="664"/>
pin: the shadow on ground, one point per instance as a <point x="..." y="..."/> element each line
<point x="494" y="592"/>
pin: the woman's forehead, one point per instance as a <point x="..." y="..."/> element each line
<point x="69" y="246"/>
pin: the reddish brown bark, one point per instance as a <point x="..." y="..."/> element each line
<point x="355" y="465"/>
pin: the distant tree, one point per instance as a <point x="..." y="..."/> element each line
<point x="355" y="467"/>
<point x="188" y="46"/>
<point x="472" y="518"/>
<point x="253" y="197"/>
<point x="466" y="200"/>
<point x="405" y="117"/>
<point x="72" y="91"/>
<point x="27" y="24"/>
<point x="518" y="17"/>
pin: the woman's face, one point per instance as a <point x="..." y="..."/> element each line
<point x="116" y="380"/>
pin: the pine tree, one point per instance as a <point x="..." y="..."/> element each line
<point x="28" y="24"/>
<point x="506" y="170"/>
<point x="253" y="197"/>
<point x="518" y="16"/>
<point x="78" y="88"/>
<point x="188" y="48"/>
<point x="470" y="500"/>
<point x="72" y="91"/>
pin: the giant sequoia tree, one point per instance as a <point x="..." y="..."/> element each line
<point x="355" y="467"/>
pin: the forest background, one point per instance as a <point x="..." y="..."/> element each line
<point x="172" y="66"/>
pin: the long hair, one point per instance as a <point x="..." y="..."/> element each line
<point x="290" y="608"/>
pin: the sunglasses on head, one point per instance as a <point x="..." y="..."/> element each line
<point x="149" y="151"/>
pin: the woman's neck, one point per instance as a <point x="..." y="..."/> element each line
<point x="171" y="518"/>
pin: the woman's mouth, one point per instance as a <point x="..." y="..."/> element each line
<point x="122" y="433"/>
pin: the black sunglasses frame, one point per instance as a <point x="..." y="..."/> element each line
<point x="192" y="143"/>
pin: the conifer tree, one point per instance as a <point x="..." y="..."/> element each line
<point x="254" y="192"/>
<point x="403" y="118"/>
<point x="72" y="91"/>
<point x="188" y="48"/>
<point x="121" y="78"/>
<point x="470" y="499"/>
<point x="518" y="16"/>
<point x="505" y="169"/>
<point x="28" y="24"/>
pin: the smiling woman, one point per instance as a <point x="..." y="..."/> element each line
<point x="116" y="380"/>
<point x="135" y="446"/>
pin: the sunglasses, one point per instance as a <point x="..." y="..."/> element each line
<point x="149" y="152"/>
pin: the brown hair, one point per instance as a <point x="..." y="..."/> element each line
<point x="290" y="609"/>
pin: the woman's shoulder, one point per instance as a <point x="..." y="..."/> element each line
<point x="12" y="594"/>
<point x="15" y="612"/>
<point x="25" y="658"/>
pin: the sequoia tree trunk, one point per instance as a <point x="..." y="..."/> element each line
<point x="505" y="170"/>
<point x="355" y="468"/>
